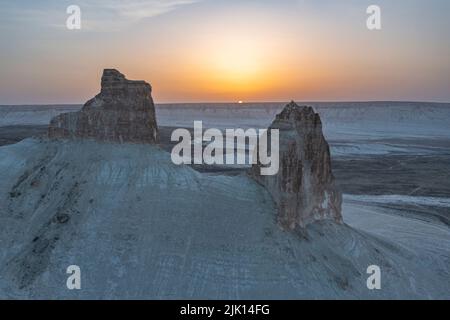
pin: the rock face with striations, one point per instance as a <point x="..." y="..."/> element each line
<point x="123" y="111"/>
<point x="303" y="188"/>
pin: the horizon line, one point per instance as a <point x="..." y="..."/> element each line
<point x="243" y="102"/>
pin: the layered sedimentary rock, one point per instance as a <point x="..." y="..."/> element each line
<point x="123" y="111"/>
<point x="304" y="188"/>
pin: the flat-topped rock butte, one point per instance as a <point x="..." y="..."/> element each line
<point x="123" y="111"/>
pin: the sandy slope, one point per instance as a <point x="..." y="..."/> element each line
<point x="140" y="227"/>
<point x="430" y="241"/>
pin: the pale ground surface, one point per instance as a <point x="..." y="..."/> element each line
<point x="139" y="227"/>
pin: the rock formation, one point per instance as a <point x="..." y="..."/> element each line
<point x="303" y="188"/>
<point x="123" y="111"/>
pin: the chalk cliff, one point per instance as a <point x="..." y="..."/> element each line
<point x="303" y="188"/>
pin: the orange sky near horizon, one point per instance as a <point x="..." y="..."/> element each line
<point x="234" y="51"/>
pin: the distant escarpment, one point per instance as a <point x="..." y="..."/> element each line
<point x="123" y="111"/>
<point x="304" y="188"/>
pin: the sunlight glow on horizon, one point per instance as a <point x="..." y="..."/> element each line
<point x="224" y="51"/>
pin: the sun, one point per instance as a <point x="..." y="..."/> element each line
<point x="240" y="102"/>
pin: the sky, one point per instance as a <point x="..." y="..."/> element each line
<point x="227" y="50"/>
